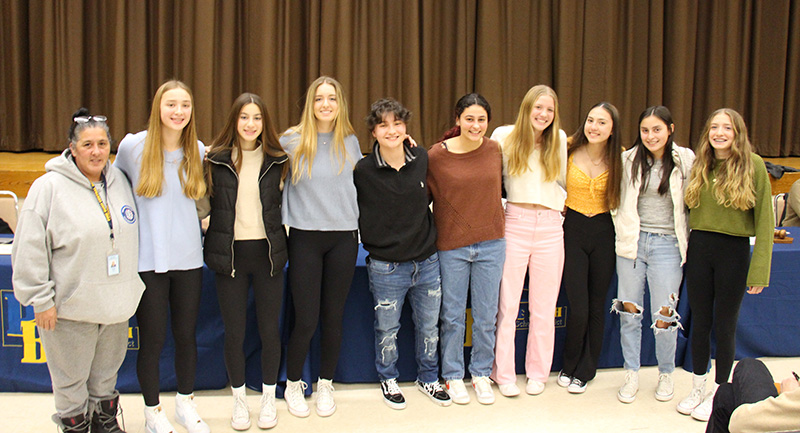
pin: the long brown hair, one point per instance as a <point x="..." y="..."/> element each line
<point x="612" y="156"/>
<point x="303" y="155"/>
<point x="228" y="138"/>
<point x="733" y="186"/>
<point x="190" y="173"/>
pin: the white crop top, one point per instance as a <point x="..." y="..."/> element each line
<point x="531" y="187"/>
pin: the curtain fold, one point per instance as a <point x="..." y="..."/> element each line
<point x="111" y="55"/>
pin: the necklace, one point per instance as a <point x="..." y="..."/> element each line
<point x="596" y="164"/>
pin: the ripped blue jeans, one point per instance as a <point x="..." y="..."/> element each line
<point x="658" y="262"/>
<point x="389" y="283"/>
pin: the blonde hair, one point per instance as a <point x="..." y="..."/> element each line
<point x="733" y="185"/>
<point x="302" y="157"/>
<point x="151" y="173"/>
<point x="520" y="142"/>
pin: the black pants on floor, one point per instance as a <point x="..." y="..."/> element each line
<point x="589" y="265"/>
<point x="176" y="293"/>
<point x="251" y="262"/>
<point x="716" y="275"/>
<point x="321" y="266"/>
<point x="752" y="383"/>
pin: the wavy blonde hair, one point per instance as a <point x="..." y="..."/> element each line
<point x="302" y="157"/>
<point x="519" y="144"/>
<point x="151" y="173"/>
<point x="733" y="185"/>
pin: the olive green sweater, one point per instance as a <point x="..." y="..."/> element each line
<point x="713" y="217"/>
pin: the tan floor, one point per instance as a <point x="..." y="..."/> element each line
<point x="361" y="409"/>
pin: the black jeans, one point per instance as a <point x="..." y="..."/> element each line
<point x="321" y="266"/>
<point x="251" y="262"/>
<point x="716" y="274"/>
<point x="589" y="265"/>
<point x="176" y="293"/>
<point x="752" y="383"/>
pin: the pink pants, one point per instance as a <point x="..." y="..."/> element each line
<point x="534" y="243"/>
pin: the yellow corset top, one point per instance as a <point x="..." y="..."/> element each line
<point x="585" y="194"/>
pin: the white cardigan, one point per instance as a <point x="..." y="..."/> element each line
<point x="626" y="217"/>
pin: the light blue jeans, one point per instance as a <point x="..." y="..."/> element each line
<point x="658" y="262"/>
<point x="390" y="282"/>
<point x="475" y="269"/>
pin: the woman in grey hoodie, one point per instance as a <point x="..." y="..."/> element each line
<point x="74" y="260"/>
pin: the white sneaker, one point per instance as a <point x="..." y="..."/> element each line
<point x="665" y="388"/>
<point x="627" y="392"/>
<point x="563" y="380"/>
<point x="695" y="397"/>
<point x="509" y="389"/>
<point x="296" y="399"/>
<point x="268" y="417"/>
<point x="703" y="410"/>
<point x="326" y="406"/>
<point x="187" y="416"/>
<point x="155" y="420"/>
<point x="457" y="391"/>
<point x="534" y="387"/>
<point x="240" y="419"/>
<point x="483" y="389"/>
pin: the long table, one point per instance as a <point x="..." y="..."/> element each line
<point x="766" y="328"/>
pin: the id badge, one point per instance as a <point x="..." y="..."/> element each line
<point x="113" y="263"/>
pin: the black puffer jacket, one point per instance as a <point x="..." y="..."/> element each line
<point x="218" y="246"/>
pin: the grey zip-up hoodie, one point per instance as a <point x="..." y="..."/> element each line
<point x="60" y="252"/>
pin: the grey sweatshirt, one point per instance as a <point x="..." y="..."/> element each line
<point x="60" y="252"/>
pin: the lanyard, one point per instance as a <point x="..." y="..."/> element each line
<point x="106" y="212"/>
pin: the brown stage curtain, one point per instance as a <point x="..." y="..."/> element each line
<point x="111" y="55"/>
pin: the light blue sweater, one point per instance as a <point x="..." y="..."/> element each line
<point x="326" y="200"/>
<point x="169" y="230"/>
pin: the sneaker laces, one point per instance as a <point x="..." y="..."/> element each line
<point x="189" y="409"/>
<point x="109" y="421"/>
<point x="482" y="383"/>
<point x="433" y="387"/>
<point x="391" y="386"/>
<point x="325" y="393"/>
<point x="267" y="405"/>
<point x="162" y="424"/>
<point x="664" y="381"/>
<point x="241" y="411"/>
<point x="295" y="393"/>
<point x="457" y="386"/>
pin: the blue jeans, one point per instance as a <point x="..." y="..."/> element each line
<point x="658" y="261"/>
<point x="389" y="283"/>
<point x="475" y="269"/>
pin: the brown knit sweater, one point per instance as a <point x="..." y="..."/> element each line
<point x="467" y="191"/>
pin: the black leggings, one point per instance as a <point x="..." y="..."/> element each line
<point x="251" y="261"/>
<point x="716" y="275"/>
<point x="589" y="265"/>
<point x="321" y="266"/>
<point x="176" y="293"/>
<point x="752" y="383"/>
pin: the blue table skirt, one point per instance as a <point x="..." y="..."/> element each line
<point x="766" y="328"/>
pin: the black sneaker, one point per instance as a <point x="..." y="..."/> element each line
<point x="577" y="386"/>
<point x="392" y="395"/>
<point x="436" y="393"/>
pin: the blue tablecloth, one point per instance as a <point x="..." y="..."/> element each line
<point x="767" y="327"/>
